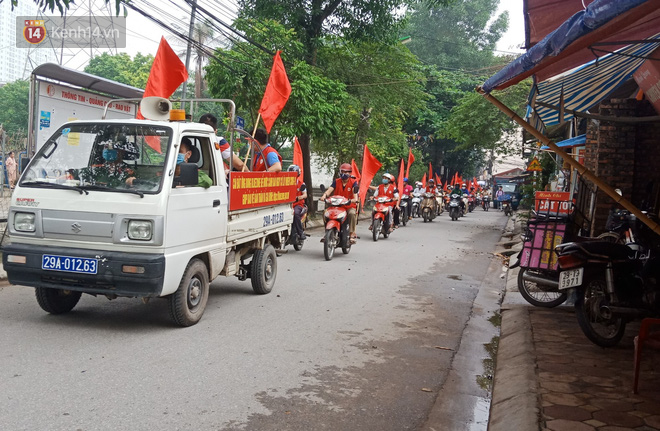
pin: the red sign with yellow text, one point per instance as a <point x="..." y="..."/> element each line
<point x="260" y="189"/>
<point x="553" y="203"/>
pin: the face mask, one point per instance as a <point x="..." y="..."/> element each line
<point x="180" y="158"/>
<point x="344" y="176"/>
<point x="385" y="181"/>
<point x="109" y="155"/>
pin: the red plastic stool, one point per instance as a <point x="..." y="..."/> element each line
<point x="647" y="338"/>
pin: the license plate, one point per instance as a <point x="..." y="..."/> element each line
<point x="79" y="265"/>
<point x="570" y="278"/>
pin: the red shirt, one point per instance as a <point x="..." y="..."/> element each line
<point x="300" y="188"/>
<point x="346" y="191"/>
<point x="387" y="190"/>
<point x="259" y="164"/>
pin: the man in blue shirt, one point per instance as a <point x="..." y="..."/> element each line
<point x="266" y="158"/>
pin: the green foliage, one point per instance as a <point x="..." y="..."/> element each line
<point x="14" y="102"/>
<point x="122" y="68"/>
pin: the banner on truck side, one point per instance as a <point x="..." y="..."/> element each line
<point x="260" y="189"/>
<point x="58" y="104"/>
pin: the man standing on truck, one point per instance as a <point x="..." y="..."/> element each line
<point x="266" y="158"/>
<point x="222" y="144"/>
<point x="347" y="187"/>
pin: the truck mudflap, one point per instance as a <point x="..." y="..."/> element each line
<point x="116" y="273"/>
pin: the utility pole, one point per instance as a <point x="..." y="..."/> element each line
<point x="191" y="32"/>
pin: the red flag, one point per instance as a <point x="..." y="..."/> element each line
<point x="297" y="156"/>
<point x="356" y="171"/>
<point x="430" y="171"/>
<point x="455" y="179"/>
<point x="424" y="181"/>
<point x="370" y="166"/>
<point x="400" y="179"/>
<point x="411" y="159"/>
<point x="167" y="73"/>
<point x="277" y="93"/>
<point x="437" y="180"/>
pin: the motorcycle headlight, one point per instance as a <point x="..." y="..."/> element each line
<point x="141" y="230"/>
<point x="24" y="222"/>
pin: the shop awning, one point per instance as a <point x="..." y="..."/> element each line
<point x="604" y="26"/>
<point x="586" y="86"/>
<point x="572" y="142"/>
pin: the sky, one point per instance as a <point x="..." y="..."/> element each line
<point x="146" y="40"/>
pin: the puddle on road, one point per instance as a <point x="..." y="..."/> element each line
<point x="481" y="412"/>
<point x="485" y="381"/>
<point x="455" y="277"/>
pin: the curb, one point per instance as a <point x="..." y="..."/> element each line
<point x="514" y="404"/>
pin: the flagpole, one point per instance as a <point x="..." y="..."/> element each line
<point x="247" y="156"/>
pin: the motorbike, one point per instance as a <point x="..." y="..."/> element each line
<point x="615" y="284"/>
<point x="337" y="227"/>
<point x="506" y="207"/>
<point x="471" y="203"/>
<point x="429" y="207"/>
<point x="404" y="204"/>
<point x="295" y="240"/>
<point x="538" y="278"/>
<point x="416" y="203"/>
<point x="465" y="205"/>
<point x="455" y="207"/>
<point x="439" y="200"/>
<point x="381" y="221"/>
<point x="485" y="203"/>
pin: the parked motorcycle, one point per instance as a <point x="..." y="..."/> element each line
<point x="381" y="221"/>
<point x="455" y="208"/>
<point x="416" y="210"/>
<point x="337" y="227"/>
<point x="404" y="204"/>
<point x="429" y="207"/>
<point x="485" y="203"/>
<point x="294" y="239"/>
<point x="615" y="284"/>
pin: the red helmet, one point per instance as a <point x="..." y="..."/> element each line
<point x="389" y="177"/>
<point x="346" y="167"/>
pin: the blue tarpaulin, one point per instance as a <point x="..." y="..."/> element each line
<point x="576" y="34"/>
<point x="572" y="142"/>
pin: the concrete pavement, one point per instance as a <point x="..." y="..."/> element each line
<point x="549" y="376"/>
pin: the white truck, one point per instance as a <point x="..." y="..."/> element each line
<point x="103" y="208"/>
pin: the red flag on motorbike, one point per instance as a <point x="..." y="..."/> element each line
<point x="166" y="74"/>
<point x="400" y="180"/>
<point x="356" y="171"/>
<point x="430" y="171"/>
<point x="424" y="181"/>
<point x="277" y="93"/>
<point x="297" y="156"/>
<point x="370" y="166"/>
<point x="455" y="180"/>
<point x="411" y="159"/>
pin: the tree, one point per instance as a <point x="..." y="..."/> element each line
<point x="14" y="102"/>
<point x="122" y="68"/>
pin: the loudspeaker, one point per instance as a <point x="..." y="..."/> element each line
<point x="155" y="108"/>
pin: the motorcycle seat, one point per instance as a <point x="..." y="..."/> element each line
<point x="599" y="249"/>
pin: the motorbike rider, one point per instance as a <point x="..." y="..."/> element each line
<point x="407" y="191"/>
<point x="431" y="188"/>
<point x="345" y="186"/>
<point x="457" y="191"/>
<point x="388" y="189"/>
<point x="419" y="188"/>
<point x="299" y="203"/>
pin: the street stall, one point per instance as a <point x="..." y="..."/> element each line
<point x="620" y="28"/>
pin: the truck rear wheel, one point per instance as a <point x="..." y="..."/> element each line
<point x="264" y="270"/>
<point x="188" y="303"/>
<point x="57" y="301"/>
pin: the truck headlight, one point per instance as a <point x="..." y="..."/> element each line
<point x="24" y="222"/>
<point x="141" y="230"/>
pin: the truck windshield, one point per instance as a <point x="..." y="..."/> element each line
<point x="102" y="156"/>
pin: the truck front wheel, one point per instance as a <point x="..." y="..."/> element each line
<point x="57" y="301"/>
<point x="188" y="303"/>
<point x="264" y="270"/>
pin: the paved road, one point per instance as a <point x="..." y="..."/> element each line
<point x="365" y="341"/>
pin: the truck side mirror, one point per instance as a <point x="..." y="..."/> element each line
<point x="187" y="175"/>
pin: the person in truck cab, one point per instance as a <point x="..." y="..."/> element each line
<point x="266" y="158"/>
<point x="186" y="150"/>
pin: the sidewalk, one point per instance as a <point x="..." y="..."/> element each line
<point x="549" y="376"/>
